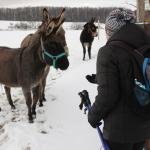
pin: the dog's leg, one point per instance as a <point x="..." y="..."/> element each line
<point x="8" y="94"/>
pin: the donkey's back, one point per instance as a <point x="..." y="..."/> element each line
<point x="26" y="41"/>
<point x="9" y="65"/>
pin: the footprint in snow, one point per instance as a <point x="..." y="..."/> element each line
<point x="28" y="147"/>
<point x="3" y="136"/>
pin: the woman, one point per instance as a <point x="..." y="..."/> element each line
<point x="123" y="130"/>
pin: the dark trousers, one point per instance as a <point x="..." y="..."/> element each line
<point x="125" y="146"/>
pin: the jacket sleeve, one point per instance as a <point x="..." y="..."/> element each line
<point x="108" y="86"/>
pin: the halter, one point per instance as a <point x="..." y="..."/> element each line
<point x="54" y="58"/>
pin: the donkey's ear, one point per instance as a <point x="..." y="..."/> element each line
<point x="56" y="29"/>
<point x="92" y="20"/>
<point x="62" y="11"/>
<point x="46" y="16"/>
<point x="58" y="21"/>
<point x="60" y="18"/>
<point x="86" y="25"/>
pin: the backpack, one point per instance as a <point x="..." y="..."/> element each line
<point x="140" y="103"/>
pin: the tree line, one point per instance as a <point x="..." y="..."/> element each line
<point x="81" y="14"/>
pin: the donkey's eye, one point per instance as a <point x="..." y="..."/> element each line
<point x="49" y="30"/>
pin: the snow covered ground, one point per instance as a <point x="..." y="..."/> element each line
<point x="59" y="124"/>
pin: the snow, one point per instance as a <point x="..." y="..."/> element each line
<point x="69" y="3"/>
<point x="59" y="123"/>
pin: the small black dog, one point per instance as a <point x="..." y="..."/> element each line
<point x="87" y="36"/>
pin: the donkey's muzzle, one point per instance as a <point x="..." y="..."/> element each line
<point x="94" y="34"/>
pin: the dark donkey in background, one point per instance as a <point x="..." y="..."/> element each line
<point x="25" y="67"/>
<point x="87" y="36"/>
<point x="59" y="36"/>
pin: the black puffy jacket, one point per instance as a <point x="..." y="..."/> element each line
<point x="114" y="85"/>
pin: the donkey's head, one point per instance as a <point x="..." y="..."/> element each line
<point x="54" y="55"/>
<point x="53" y="40"/>
<point x="91" y="28"/>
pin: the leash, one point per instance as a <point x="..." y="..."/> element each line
<point x="85" y="101"/>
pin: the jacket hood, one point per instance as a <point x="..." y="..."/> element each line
<point x="132" y="35"/>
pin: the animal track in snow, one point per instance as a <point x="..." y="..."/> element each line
<point x="28" y="147"/>
<point x="3" y="135"/>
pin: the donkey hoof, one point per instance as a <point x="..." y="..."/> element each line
<point x="13" y="107"/>
<point x="34" y="116"/>
<point x="31" y="121"/>
<point x="41" y="105"/>
<point x="44" y="99"/>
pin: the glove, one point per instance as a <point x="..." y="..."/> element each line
<point x="91" y="78"/>
<point x="93" y="120"/>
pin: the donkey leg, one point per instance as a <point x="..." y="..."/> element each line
<point x="36" y="94"/>
<point x="43" y="85"/>
<point x="89" y="51"/>
<point x="43" y="89"/>
<point x="84" y="51"/>
<point x="42" y="93"/>
<point x="28" y="98"/>
<point x="8" y="94"/>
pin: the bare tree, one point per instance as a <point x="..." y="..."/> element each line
<point x="140" y="10"/>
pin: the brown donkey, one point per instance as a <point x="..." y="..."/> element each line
<point x="25" y="67"/>
<point x="59" y="36"/>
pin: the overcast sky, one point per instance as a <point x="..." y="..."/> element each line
<point x="69" y="3"/>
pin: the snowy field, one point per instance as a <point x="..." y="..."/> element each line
<point x="59" y="123"/>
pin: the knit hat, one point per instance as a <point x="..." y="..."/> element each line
<point x="118" y="18"/>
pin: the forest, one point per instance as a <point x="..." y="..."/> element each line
<point x="80" y="14"/>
